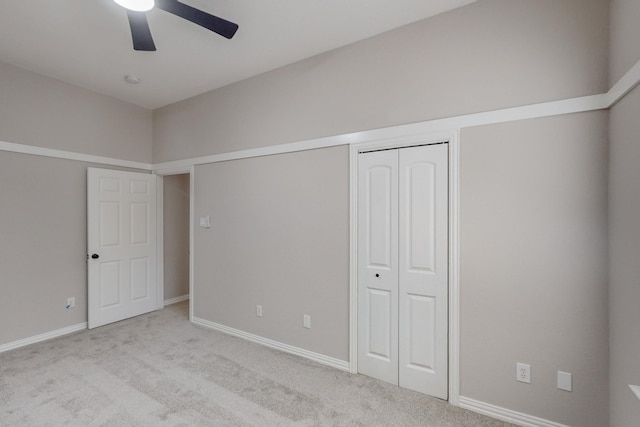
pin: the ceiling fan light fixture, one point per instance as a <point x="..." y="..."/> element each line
<point x="137" y="5"/>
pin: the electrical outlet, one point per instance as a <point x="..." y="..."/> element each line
<point x="306" y="321"/>
<point x="71" y="302"/>
<point x="523" y="373"/>
<point x="259" y="310"/>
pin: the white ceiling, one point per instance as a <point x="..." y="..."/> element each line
<point x="88" y="42"/>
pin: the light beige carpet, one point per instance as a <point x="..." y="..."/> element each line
<point x="158" y="369"/>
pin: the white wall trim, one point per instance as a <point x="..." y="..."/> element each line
<point x="43" y="337"/>
<point x="452" y="137"/>
<point x="625" y="85"/>
<point x="353" y="259"/>
<point x="70" y="155"/>
<point x="176" y="300"/>
<point x="316" y="357"/>
<point x="173" y="171"/>
<point x="504" y="414"/>
<point x="454" y="267"/>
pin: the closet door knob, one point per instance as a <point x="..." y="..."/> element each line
<point x="95" y="256"/>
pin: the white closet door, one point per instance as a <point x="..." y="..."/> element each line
<point x="378" y="265"/>
<point x="403" y="267"/>
<point x="423" y="269"/>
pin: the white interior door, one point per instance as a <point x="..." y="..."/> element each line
<point x="122" y="257"/>
<point x="403" y="267"/>
<point x="423" y="269"/>
<point x="378" y="265"/>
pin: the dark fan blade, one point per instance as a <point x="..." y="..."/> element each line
<point x="217" y="25"/>
<point x="140" y="32"/>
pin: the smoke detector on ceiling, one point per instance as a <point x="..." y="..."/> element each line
<point x="130" y="78"/>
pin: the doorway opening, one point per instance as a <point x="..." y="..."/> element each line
<point x="176" y="206"/>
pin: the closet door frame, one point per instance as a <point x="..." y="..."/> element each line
<point x="452" y="138"/>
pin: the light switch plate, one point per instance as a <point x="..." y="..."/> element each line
<point x="565" y="381"/>
<point x="205" y="222"/>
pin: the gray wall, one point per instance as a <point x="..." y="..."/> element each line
<point x="43" y="249"/>
<point x="490" y="54"/>
<point x="279" y="238"/>
<point x="624" y="211"/>
<point x="624" y="235"/>
<point x="43" y="200"/>
<point x="533" y="249"/>
<point x="625" y="33"/>
<point x="545" y="179"/>
<point x="176" y="235"/>
<point x="41" y="111"/>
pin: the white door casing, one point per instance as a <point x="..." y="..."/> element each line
<point x="122" y="252"/>
<point x="403" y="267"/>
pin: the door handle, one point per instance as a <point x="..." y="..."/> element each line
<point x="95" y="256"/>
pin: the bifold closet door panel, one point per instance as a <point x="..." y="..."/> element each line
<point x="378" y="265"/>
<point x="423" y="269"/>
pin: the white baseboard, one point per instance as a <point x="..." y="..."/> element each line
<point x="343" y="365"/>
<point x="176" y="300"/>
<point x="43" y="337"/>
<point x="504" y="414"/>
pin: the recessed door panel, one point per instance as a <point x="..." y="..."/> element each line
<point x="138" y="186"/>
<point x="139" y="278"/>
<point x="380" y="321"/>
<point x="422" y="332"/>
<point x="109" y="185"/>
<point x="109" y="223"/>
<point x="420" y="216"/>
<point x="380" y="215"/>
<point x="139" y="215"/>
<point x="110" y="284"/>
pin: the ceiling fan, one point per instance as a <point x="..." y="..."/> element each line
<point x="141" y="34"/>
